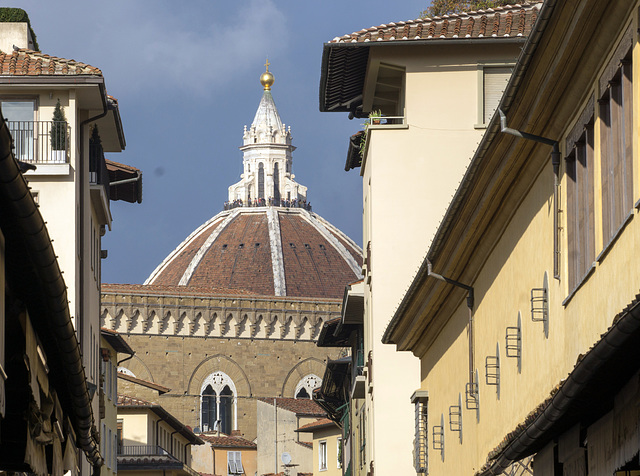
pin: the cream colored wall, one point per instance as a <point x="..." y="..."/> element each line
<point x="409" y="176"/>
<point x="517" y="264"/>
<point x="330" y="435"/>
<point x="203" y="459"/>
<point x="135" y="428"/>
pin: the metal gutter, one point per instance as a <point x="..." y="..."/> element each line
<point x="458" y="200"/>
<point x="17" y="202"/>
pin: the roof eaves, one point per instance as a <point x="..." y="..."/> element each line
<point x="459" y="197"/>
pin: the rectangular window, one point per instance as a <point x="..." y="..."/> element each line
<point x="322" y="455"/>
<point x="420" y="400"/>
<point x="234" y="462"/>
<point x="616" y="136"/>
<point x="20" y="117"/>
<point x="339" y="452"/>
<point x="494" y="82"/>
<point x="580" y="205"/>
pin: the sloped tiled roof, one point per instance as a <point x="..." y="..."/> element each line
<point x="145" y="383"/>
<point x="507" y="21"/>
<point x="306" y="444"/>
<point x="299" y="406"/>
<point x="315" y="425"/>
<point x="226" y="441"/>
<point x="25" y="62"/>
<point x="126" y="400"/>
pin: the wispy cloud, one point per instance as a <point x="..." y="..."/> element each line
<point x="145" y="44"/>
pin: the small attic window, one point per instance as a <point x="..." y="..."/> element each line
<point x="292" y="245"/>
<point x="241" y="245"/>
<point x="224" y="247"/>
<point x="322" y="247"/>
<point x="257" y="245"/>
<point x="307" y="246"/>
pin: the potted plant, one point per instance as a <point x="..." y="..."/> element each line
<point x="59" y="135"/>
<point x="374" y="118"/>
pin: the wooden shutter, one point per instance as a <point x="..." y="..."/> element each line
<point x="495" y="82"/>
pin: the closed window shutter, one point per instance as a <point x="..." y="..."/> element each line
<point x="495" y="82"/>
<point x="231" y="462"/>
<point x="239" y="467"/>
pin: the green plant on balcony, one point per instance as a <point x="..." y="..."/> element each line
<point x="374" y="118"/>
<point x="58" y="134"/>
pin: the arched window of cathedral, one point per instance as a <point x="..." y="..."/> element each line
<point x="276" y="181"/>
<point x="226" y="410"/>
<point x="126" y="371"/>
<point x="218" y="403"/>
<point x="305" y="386"/>
<point x="209" y="409"/>
<point x="260" y="180"/>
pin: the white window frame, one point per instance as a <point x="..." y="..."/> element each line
<point x="322" y="455"/>
<point x="481" y="75"/>
<point x="338" y="448"/>
<point x="234" y="463"/>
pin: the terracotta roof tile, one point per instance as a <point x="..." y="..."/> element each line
<point x="494" y="22"/>
<point x="306" y="444"/>
<point x="299" y="406"/>
<point x="234" y="251"/>
<point x="319" y="423"/>
<point x="25" y="62"/>
<point x="226" y="441"/>
<point x="126" y="400"/>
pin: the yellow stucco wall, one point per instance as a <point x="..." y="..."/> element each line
<point x="518" y="263"/>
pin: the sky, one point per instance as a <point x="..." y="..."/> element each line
<point x="186" y="77"/>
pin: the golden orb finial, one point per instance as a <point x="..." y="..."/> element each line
<point x="266" y="79"/>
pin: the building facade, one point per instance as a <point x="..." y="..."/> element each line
<point x="62" y="122"/>
<point x="427" y="88"/>
<point x="525" y="312"/>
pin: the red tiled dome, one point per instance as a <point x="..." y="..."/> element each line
<point x="272" y="251"/>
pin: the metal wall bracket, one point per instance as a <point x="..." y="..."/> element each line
<point x="513" y="340"/>
<point x="540" y="304"/>
<point x="492" y="369"/>
<point x="455" y="417"/>
<point x="438" y="437"/>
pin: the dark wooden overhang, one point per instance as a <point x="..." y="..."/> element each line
<point x="334" y="392"/>
<point x="125" y="182"/>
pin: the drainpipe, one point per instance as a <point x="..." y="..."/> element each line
<point x="171" y="441"/>
<point x="555" y="162"/>
<point x="275" y="410"/>
<point x="470" y="303"/>
<point x="125" y="359"/>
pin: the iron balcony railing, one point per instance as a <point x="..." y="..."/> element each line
<point x="41" y="142"/>
<point x="142" y="450"/>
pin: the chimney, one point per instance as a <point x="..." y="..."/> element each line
<point x="16" y="33"/>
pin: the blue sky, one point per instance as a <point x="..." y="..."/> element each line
<point x="187" y="80"/>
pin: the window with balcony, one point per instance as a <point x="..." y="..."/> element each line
<point x="39" y="142"/>
<point x="580" y="199"/>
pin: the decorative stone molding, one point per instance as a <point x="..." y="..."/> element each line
<point x="212" y="316"/>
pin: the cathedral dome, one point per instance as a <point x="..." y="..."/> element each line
<point x="267" y="241"/>
<point x="265" y="250"/>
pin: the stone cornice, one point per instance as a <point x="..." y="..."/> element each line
<point x="216" y="316"/>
